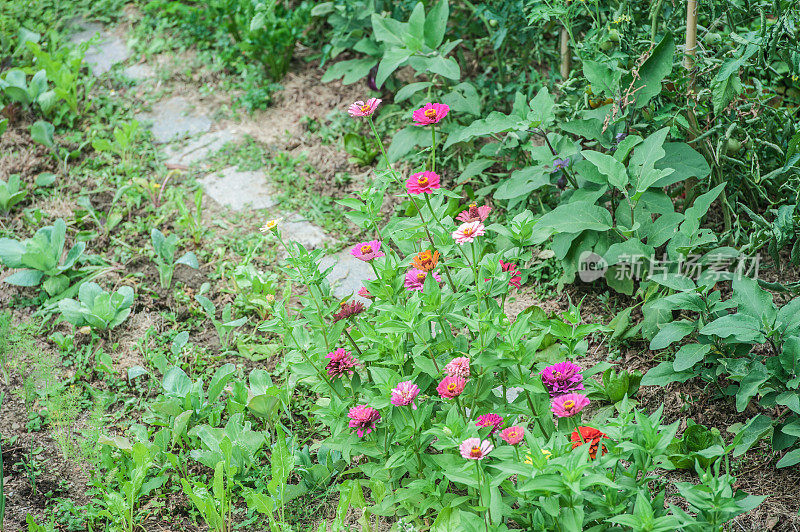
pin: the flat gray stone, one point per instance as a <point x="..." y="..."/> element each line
<point x="140" y="72"/>
<point x="239" y="190"/>
<point x="103" y="54"/>
<point x="511" y="393"/>
<point x="300" y="230"/>
<point x="199" y="148"/>
<point x="174" y="119"/>
<point x="348" y="274"/>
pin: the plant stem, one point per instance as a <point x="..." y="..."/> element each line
<point x="433" y="148"/>
<point x="355" y="345"/>
<point x="575" y="424"/>
<point x="322" y="375"/>
<point x="530" y="402"/>
<point x="480" y="495"/>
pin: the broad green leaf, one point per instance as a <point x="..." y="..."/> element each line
<point x="654" y="70"/>
<point x="608" y="166"/>
<point x="436" y="24"/>
<point x="42" y="132"/>
<point x="689" y="355"/>
<point x="671" y="333"/>
<point x="576" y="217"/>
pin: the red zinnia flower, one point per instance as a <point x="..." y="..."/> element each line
<point x="590" y="436"/>
<point x="348" y="310"/>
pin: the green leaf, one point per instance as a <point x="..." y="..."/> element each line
<point x="789" y="459"/>
<point x="689" y="355"/>
<point x="671" y="333"/>
<point x="42" y="132"/>
<point x="685" y="161"/>
<point x="576" y="217"/>
<point x="409" y="90"/>
<point x="750" y="385"/>
<point x="392" y="59"/>
<point x="436" y="24"/>
<point x="24" y="278"/>
<point x="608" y="166"/>
<point x="755" y="429"/>
<point x="654" y="70"/>
<point x="444" y="66"/>
<point x="742" y="327"/>
<point x="602" y="77"/>
<point x="664" y="374"/>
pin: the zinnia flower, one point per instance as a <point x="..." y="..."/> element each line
<point x="468" y="231"/>
<point x="430" y="113"/>
<point x="590" y="436"/>
<point x="423" y="183"/>
<point x="360" y="108"/>
<point x="348" y="310"/>
<point x="563" y="377"/>
<point x="363" y="292"/>
<point x="363" y="419"/>
<point x="367" y="251"/>
<point x="568" y="405"/>
<point x="474" y="213"/>
<point x="451" y="386"/>
<point x="513" y="435"/>
<point x="516" y="278"/>
<point x="270" y="225"/>
<point x="489" y="420"/>
<point x="341" y="362"/>
<point x="404" y="394"/>
<point x="425" y="260"/>
<point x="415" y="279"/>
<point x="475" y="449"/>
<point x="458" y="367"/>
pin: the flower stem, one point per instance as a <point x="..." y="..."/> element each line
<point x="355" y="345"/>
<point x="530" y="401"/>
<point x="480" y="494"/>
<point x="575" y="424"/>
<point x="322" y="375"/>
<point x="433" y="149"/>
<point x="461" y="409"/>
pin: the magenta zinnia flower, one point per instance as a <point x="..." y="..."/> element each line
<point x="341" y="362"/>
<point x="367" y="251"/>
<point x="475" y="449"/>
<point x="513" y="435"/>
<point x="451" y="386"/>
<point x="360" y="108"/>
<point x="474" y="213"/>
<point x="363" y="292"/>
<point x="415" y="279"/>
<point x="468" y="231"/>
<point x="404" y="394"/>
<point x="516" y="278"/>
<point x="568" y="405"/>
<point x="423" y="183"/>
<point x="363" y="419"/>
<point x="458" y="367"/>
<point x="430" y="113"/>
<point x="489" y="420"/>
<point x="563" y="377"/>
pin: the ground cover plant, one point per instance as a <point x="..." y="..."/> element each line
<point x="415" y="265"/>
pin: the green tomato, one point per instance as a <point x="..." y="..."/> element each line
<point x="734" y="146"/>
<point x="606" y="45"/>
<point x="712" y="38"/>
<point x="493" y="23"/>
<point x="614" y="36"/>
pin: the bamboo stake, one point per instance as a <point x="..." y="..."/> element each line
<point x="691" y="35"/>
<point x="566" y="57"/>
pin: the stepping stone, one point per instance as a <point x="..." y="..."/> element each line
<point x="199" y="148"/>
<point x="140" y="72"/>
<point x="104" y="54"/>
<point x="511" y="393"/>
<point x="300" y="230"/>
<point x="174" y="119"/>
<point x="348" y="274"/>
<point x="239" y="190"/>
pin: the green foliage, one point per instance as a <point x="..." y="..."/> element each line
<point x="165" y="248"/>
<point x="224" y="327"/>
<point x="11" y="193"/>
<point x="39" y="259"/>
<point x="97" y="308"/>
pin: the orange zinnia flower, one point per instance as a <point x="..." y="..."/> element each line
<point x="426" y="261"/>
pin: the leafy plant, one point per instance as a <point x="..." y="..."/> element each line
<point x="361" y="149"/>
<point x="39" y="259"/>
<point x="165" y="248"/>
<point x="121" y="506"/>
<point x="97" y="308"/>
<point x="698" y="445"/>
<point x="11" y="193"/>
<point x="226" y="325"/>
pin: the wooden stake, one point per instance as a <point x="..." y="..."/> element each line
<point x="691" y="34"/>
<point x="566" y="56"/>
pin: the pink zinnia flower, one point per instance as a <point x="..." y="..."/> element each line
<point x="474" y="213"/>
<point x="363" y="419"/>
<point x="341" y="362"/>
<point x="475" y="449"/>
<point x="404" y="394"/>
<point x="489" y="420"/>
<point x="513" y="435"/>
<point x="415" y="279"/>
<point x="458" y="367"/>
<point x="363" y="292"/>
<point x="468" y="231"/>
<point x="451" y="386"/>
<point x="568" y="405"/>
<point x="423" y="183"/>
<point x="430" y="113"/>
<point x="516" y="278"/>
<point x="367" y="251"/>
<point x="360" y="108"/>
<point x="563" y="377"/>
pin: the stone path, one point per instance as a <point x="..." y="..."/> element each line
<point x="188" y="137"/>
